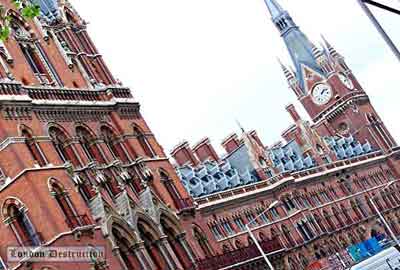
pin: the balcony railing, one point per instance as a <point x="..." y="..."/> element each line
<point x="64" y="94"/>
<point x="237" y="256"/>
<point x="78" y="221"/>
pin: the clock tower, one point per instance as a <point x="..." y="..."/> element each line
<point x="327" y="88"/>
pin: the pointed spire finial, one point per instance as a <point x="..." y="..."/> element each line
<point x="240" y="126"/>
<point x="289" y="75"/>
<point x="332" y="51"/>
<point x="316" y="51"/>
<point x="274" y="8"/>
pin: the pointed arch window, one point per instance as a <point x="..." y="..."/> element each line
<point x="72" y="218"/>
<point x="89" y="146"/>
<point x="177" y="241"/>
<point x="203" y="242"/>
<point x="128" y="260"/>
<point x="62" y="145"/>
<point x="114" y="144"/>
<point x="338" y="217"/>
<point x="172" y="190"/>
<point x="34" y="54"/>
<point x="144" y="143"/>
<point x="328" y="219"/>
<point x="16" y="216"/>
<point x="288" y="236"/>
<point x="34" y="148"/>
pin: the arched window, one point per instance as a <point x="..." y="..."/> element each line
<point x="226" y="248"/>
<point x="141" y="137"/>
<point x="33" y="147"/>
<point x="288" y="236"/>
<point x="318" y="221"/>
<point x="60" y="142"/>
<point x="73" y="219"/>
<point x="262" y="236"/>
<point x="89" y="146"/>
<point x="303" y="260"/>
<point x="114" y="144"/>
<point x="129" y="260"/>
<point x="328" y="219"/>
<point x="111" y="184"/>
<point x="15" y="214"/>
<point x="250" y="241"/>
<point x="203" y="242"/>
<point x="338" y="217"/>
<point x="293" y="265"/>
<point x="177" y="240"/>
<point x="238" y="244"/>
<point x="150" y="236"/>
<point x="172" y="190"/>
<point x="34" y="54"/>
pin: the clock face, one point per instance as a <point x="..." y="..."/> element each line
<point x="346" y="81"/>
<point x="322" y="93"/>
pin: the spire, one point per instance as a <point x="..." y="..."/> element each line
<point x="240" y="126"/>
<point x="316" y="51"/>
<point x="288" y="74"/>
<point x="332" y="51"/>
<point x="301" y="50"/>
<point x="274" y="8"/>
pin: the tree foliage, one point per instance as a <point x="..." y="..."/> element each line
<point x="27" y="9"/>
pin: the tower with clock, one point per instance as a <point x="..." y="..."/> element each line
<point x="327" y="88"/>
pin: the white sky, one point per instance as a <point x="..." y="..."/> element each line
<point x="197" y="65"/>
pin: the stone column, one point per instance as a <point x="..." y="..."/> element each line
<point x="144" y="257"/>
<point x="182" y="240"/>
<point x="117" y="253"/>
<point x="169" y="254"/>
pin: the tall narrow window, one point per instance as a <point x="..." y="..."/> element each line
<point x="20" y="224"/>
<point x="203" y="242"/>
<point x="89" y="146"/>
<point x="129" y="261"/>
<point x="34" y="148"/>
<point x="34" y="54"/>
<point x="144" y="143"/>
<point x="114" y="144"/>
<point x="60" y="143"/>
<point x="171" y="188"/>
<point x="72" y="218"/>
<point x="288" y="236"/>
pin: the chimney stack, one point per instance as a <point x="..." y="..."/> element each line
<point x="231" y="143"/>
<point x="205" y="151"/>
<point x="183" y="155"/>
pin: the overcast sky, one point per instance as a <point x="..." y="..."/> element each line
<point x="197" y="65"/>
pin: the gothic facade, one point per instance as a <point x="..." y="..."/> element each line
<point x="319" y="179"/>
<point x="79" y="165"/>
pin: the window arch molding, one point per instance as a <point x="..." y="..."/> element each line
<point x="63" y="144"/>
<point x="171" y="188"/>
<point x="202" y="241"/>
<point x="114" y="142"/>
<point x="88" y="140"/>
<point x="11" y="201"/>
<point x="62" y="196"/>
<point x="141" y="136"/>
<point x="32" y="145"/>
<point x="15" y="215"/>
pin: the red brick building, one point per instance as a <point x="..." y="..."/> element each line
<point x="81" y="168"/>
<point x="320" y="176"/>
<point x="79" y="165"/>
